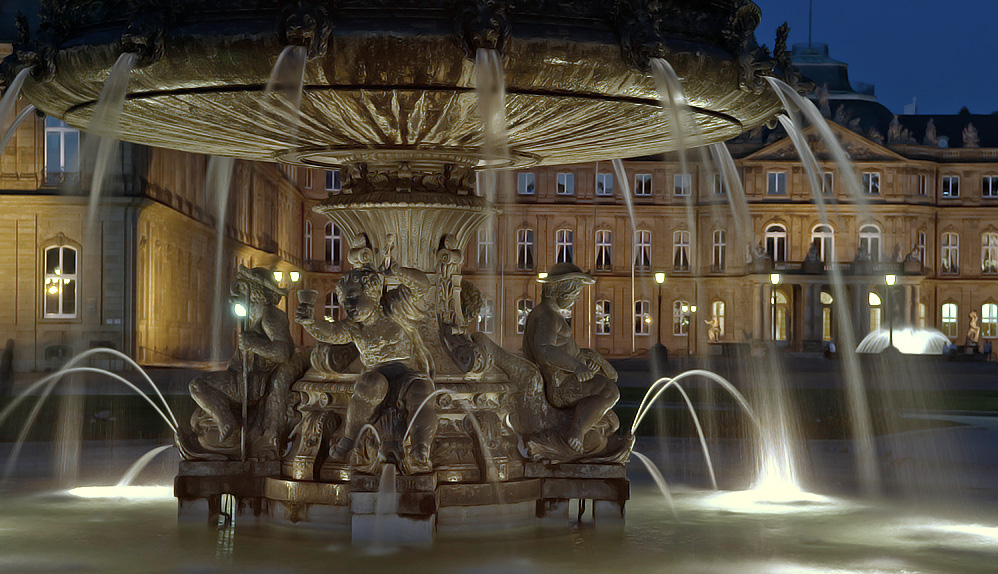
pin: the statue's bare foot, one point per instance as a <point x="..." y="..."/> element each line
<point x="342" y="449"/>
<point x="226" y="428"/>
<point x="421" y="454"/>
<point x="575" y="444"/>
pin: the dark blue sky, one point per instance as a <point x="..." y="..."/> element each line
<point x="944" y="52"/>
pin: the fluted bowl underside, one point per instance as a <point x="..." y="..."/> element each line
<point x="387" y="80"/>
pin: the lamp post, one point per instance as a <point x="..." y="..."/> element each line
<point x="240" y="309"/>
<point x="890" y="279"/>
<point x="693" y="322"/>
<point x="660" y="279"/>
<point x="774" y="280"/>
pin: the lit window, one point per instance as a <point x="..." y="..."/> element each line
<point x="486" y="321"/>
<point x="308" y="240"/>
<point x="776" y="243"/>
<point x="566" y="184"/>
<point x="603" y="317"/>
<point x="333" y="244"/>
<point x="920" y="246"/>
<point x="62" y="151"/>
<point x="776" y="183"/>
<point x="923" y="315"/>
<point x="604" y="184"/>
<point x="682" y="184"/>
<point x="61" y="290"/>
<point x="871" y="183"/>
<point x="779" y="300"/>
<point x="717" y="313"/>
<point x="949" y="320"/>
<point x="525" y="184"/>
<point x="989" y="320"/>
<point x="564" y="241"/>
<point x="486" y="249"/>
<point x="332" y="307"/>
<point x="642" y="185"/>
<point x="333" y="180"/>
<point x="642" y="317"/>
<point x="642" y="257"/>
<point x="680" y="318"/>
<point x="523" y="308"/>
<point x="719" y="252"/>
<point x="827" y="182"/>
<point x="826" y="316"/>
<point x="681" y="251"/>
<point x="604" y="250"/>
<point x="524" y="249"/>
<point x="989" y="253"/>
<point x="951" y="186"/>
<point x="869" y="241"/>
<point x="824" y="237"/>
<point x="951" y="253"/>
<point x="719" y="187"/>
<point x="876" y="311"/>
<point x="990" y="185"/>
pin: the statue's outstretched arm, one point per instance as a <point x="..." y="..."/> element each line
<point x="323" y="330"/>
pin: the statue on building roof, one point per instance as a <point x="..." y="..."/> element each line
<point x="841" y="116"/>
<point x="823" y="105"/>
<point x="894" y="130"/>
<point x="874" y="135"/>
<point x="930" y="134"/>
<point x="970" y="137"/>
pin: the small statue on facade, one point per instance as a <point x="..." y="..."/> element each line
<point x="930" y="134"/>
<point x="894" y="130"/>
<point x="579" y="382"/>
<point x="266" y="364"/>
<point x="398" y="368"/>
<point x="974" y="333"/>
<point x="970" y="137"/>
<point x="714" y="329"/>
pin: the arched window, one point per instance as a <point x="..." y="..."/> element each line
<point x="603" y="317"/>
<point x="826" y="316"/>
<point x="951" y="253"/>
<point x="332" y="307"/>
<point x="950" y="311"/>
<point x="681" y="250"/>
<point x="782" y="314"/>
<point x="776" y="243"/>
<point x="642" y="248"/>
<point x="920" y="246"/>
<point x="604" y="250"/>
<point x="61" y="290"/>
<point x="564" y="241"/>
<point x="876" y="311"/>
<point x="524" y="249"/>
<point x="719" y="252"/>
<point x="989" y="320"/>
<point x="717" y="314"/>
<point x="523" y="308"/>
<point x="487" y="321"/>
<point x="334" y="244"/>
<point x="680" y="317"/>
<point x="308" y="240"/>
<point x="869" y="241"/>
<point x="989" y="253"/>
<point x="825" y="238"/>
<point x="642" y="317"/>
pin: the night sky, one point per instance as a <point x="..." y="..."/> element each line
<point x="944" y="52"/>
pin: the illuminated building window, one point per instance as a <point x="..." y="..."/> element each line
<point x="61" y="290"/>
<point x="717" y="312"/>
<point x="826" y="316"/>
<point x="876" y="311"/>
<point x="62" y="151"/>
<point x="642" y="248"/>
<point x="989" y="253"/>
<point x="524" y="249"/>
<point x="869" y="241"/>
<point x="719" y="252"/>
<point x="989" y="320"/>
<point x="334" y="244"/>
<point x="604" y="250"/>
<point x="949" y="320"/>
<point x="332" y="306"/>
<point x="523" y="308"/>
<point x="603" y="317"/>
<point x="680" y="318"/>
<point x="642" y="317"/>
<point x="923" y="315"/>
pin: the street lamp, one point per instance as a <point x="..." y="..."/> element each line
<point x="890" y="279"/>
<point x="774" y="280"/>
<point x="278" y="276"/>
<point x="294" y="276"/>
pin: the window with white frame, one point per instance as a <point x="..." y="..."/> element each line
<point x="61" y="287"/>
<point x="486" y="248"/>
<point x="827" y="182"/>
<point x="923" y="185"/>
<point x="642" y="317"/>
<point x="334" y="244"/>
<point x="566" y="184"/>
<point x="642" y="185"/>
<point x="525" y="184"/>
<point x="949" y="312"/>
<point x="719" y="187"/>
<point x="564" y="243"/>
<point x="62" y="150"/>
<point x="719" y="251"/>
<point x="776" y="243"/>
<point x="486" y="320"/>
<point x="871" y="182"/>
<point x="717" y="313"/>
<point x="989" y="320"/>
<point x="869" y="241"/>
<point x="523" y="308"/>
<point x="951" y="186"/>
<point x="524" y="249"/>
<point x="680" y="318"/>
<point x="604" y="250"/>
<point x="332" y="306"/>
<point x="603" y="317"/>
<point x="825" y="239"/>
<point x="642" y="249"/>
<point x="681" y="250"/>
<point x="950" y="253"/>
<point x="989" y="186"/>
<point x="776" y="183"/>
<point x="332" y="180"/>
<point x="989" y="252"/>
<point x="604" y="184"/>
<point x="682" y="184"/>
<point x="308" y="240"/>
<point x="921" y="240"/>
<point x="308" y="178"/>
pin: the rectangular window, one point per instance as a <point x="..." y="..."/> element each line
<point x="603" y="317"/>
<point x="334" y="244"/>
<point x="951" y="253"/>
<point x="566" y="184"/>
<point x="719" y="187"/>
<point x="60" y="288"/>
<point x="681" y="251"/>
<point x="990" y="186"/>
<point x="604" y="184"/>
<point x="989" y="253"/>
<point x="717" y="315"/>
<point x="949" y="320"/>
<point x="951" y="186"/>
<point x="642" y="247"/>
<point x="682" y="184"/>
<point x="827" y="182"/>
<point x="524" y="249"/>
<point x="923" y="315"/>
<point x="642" y="185"/>
<point x="486" y="249"/>
<point x="525" y="184"/>
<point x="62" y="151"/>
<point x="776" y="183"/>
<point x="826" y="323"/>
<point x="523" y="308"/>
<point x="923" y="185"/>
<point x="564" y="241"/>
<point x="680" y="318"/>
<point x="871" y="183"/>
<point x="487" y="321"/>
<point x="332" y="180"/>
<point x="718" y="255"/>
<point x="989" y="321"/>
<point x="642" y="317"/>
<point x="604" y="250"/>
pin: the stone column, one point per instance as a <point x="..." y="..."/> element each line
<point x="756" y="305"/>
<point x="767" y="312"/>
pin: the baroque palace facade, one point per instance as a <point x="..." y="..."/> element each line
<point x="143" y="280"/>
